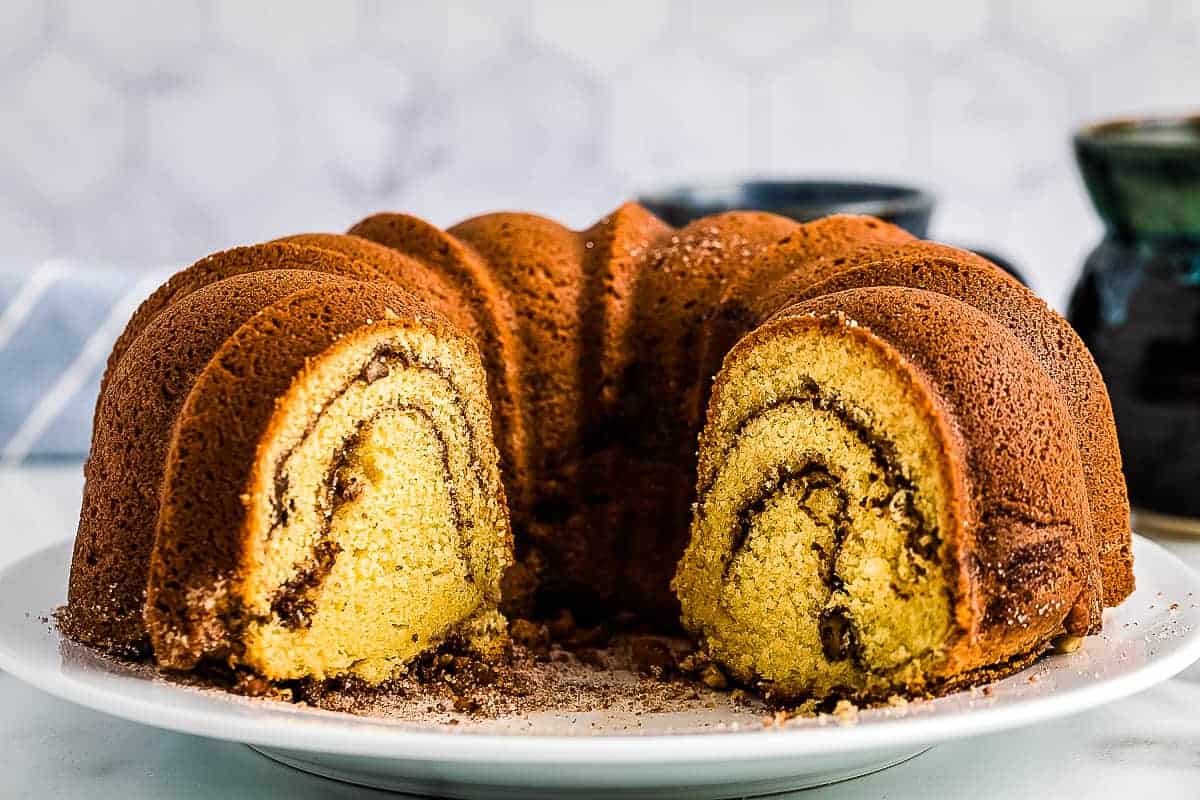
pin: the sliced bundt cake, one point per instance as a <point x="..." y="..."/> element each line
<point x="907" y="478"/>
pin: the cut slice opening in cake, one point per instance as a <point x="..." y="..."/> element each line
<point x="375" y="527"/>
<point x="816" y="564"/>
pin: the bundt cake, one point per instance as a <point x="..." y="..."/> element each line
<point x="907" y="476"/>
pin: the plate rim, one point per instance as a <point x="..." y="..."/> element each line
<point x="321" y="731"/>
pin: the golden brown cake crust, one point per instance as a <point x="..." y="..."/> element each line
<point x="809" y="253"/>
<point x="251" y="258"/>
<point x="616" y="251"/>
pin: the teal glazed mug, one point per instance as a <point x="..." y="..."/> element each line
<point x="1137" y="305"/>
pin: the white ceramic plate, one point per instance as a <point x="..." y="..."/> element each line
<point x="1152" y="636"/>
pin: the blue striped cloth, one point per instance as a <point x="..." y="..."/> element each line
<point x="57" y="325"/>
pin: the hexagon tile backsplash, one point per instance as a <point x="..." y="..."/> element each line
<point x="144" y="135"/>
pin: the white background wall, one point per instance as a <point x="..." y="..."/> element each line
<point x="144" y="134"/>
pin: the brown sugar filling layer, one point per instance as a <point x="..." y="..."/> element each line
<point x="293" y="602"/>
<point x="383" y="528"/>
<point x="816" y="563"/>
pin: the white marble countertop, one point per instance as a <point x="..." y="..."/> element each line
<point x="1146" y="746"/>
